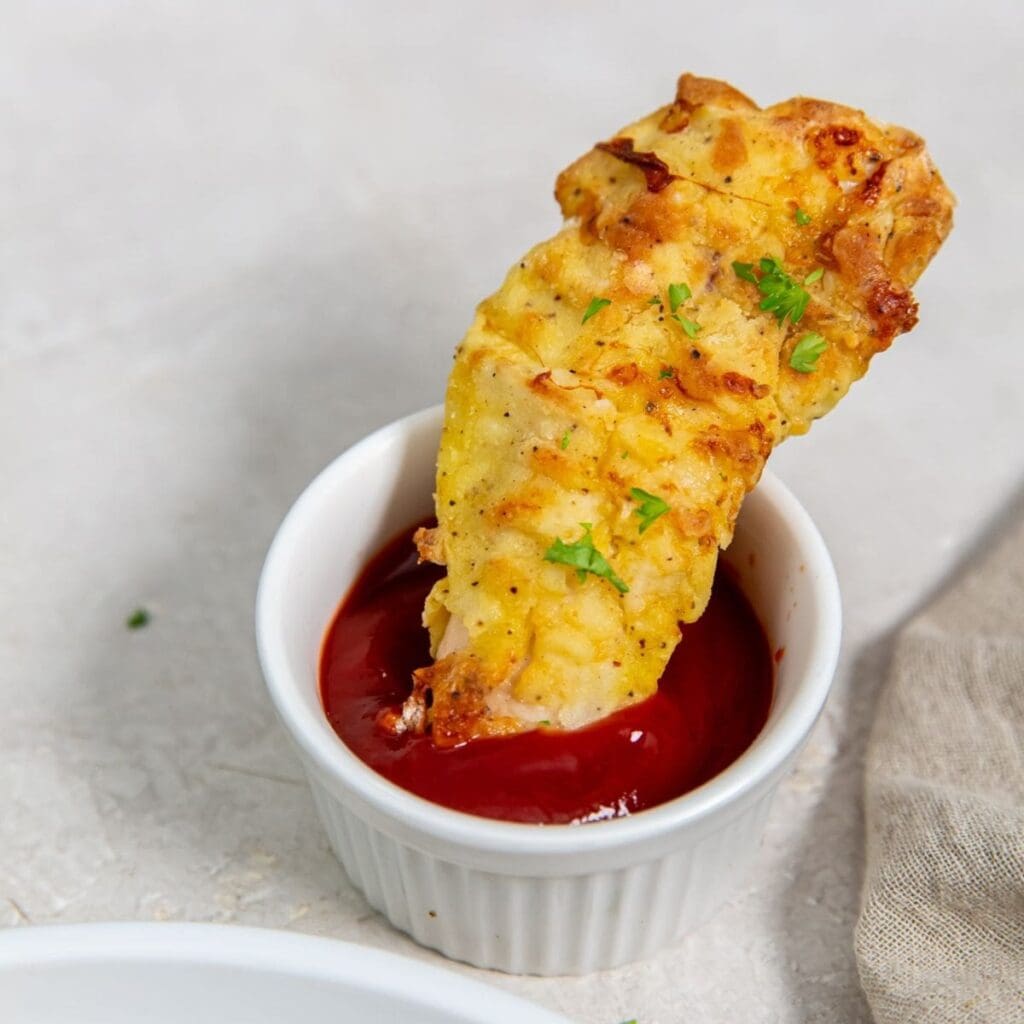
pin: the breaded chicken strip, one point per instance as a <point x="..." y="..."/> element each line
<point x="725" y="273"/>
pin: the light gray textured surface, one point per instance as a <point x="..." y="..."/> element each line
<point x="235" y="237"/>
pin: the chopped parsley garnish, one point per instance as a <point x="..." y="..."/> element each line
<point x="666" y="371"/>
<point x="624" y="455"/>
<point x="814" y="275"/>
<point x="803" y="219"/>
<point x="651" y="507"/>
<point x="806" y="352"/>
<point x="138" y="619"/>
<point x="782" y="295"/>
<point x="690" y="326"/>
<point x="596" y="305"/>
<point x="746" y="271"/>
<point x="565" y="440"/>
<point x="677" y="295"/>
<point x="654" y="300"/>
<point x="582" y="556"/>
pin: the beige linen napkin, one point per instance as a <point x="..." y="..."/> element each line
<point x="941" y="929"/>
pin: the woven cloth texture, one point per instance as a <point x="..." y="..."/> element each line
<point x="941" y="930"/>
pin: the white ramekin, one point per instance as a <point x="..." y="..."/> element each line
<point x="532" y="899"/>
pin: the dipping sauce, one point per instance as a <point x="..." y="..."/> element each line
<point x="712" y="701"/>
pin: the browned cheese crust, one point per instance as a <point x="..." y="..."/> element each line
<point x="551" y="422"/>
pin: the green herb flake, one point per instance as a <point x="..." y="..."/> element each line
<point x="666" y="371"/>
<point x="782" y="295"/>
<point x="654" y="300"/>
<point x="815" y="275"/>
<point x="582" y="556"/>
<point x="651" y="507"/>
<point x="624" y="455"/>
<point x="690" y="326"/>
<point x="677" y="295"/>
<point x="565" y="440"/>
<point x="803" y="219"/>
<point x="596" y="305"/>
<point x="544" y="721"/>
<point x="806" y="352"/>
<point x="138" y="619"/>
<point x="745" y="271"/>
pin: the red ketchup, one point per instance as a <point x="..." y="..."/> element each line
<point x="713" y="699"/>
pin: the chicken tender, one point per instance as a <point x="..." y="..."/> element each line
<point x="724" y="274"/>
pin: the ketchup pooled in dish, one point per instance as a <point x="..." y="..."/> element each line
<point x="713" y="699"/>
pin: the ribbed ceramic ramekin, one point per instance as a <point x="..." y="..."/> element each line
<point x="562" y="899"/>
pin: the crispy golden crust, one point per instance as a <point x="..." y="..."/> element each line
<point x="551" y="422"/>
<point x="429" y="544"/>
<point x="457" y="705"/>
